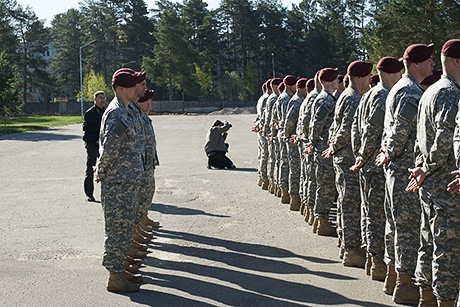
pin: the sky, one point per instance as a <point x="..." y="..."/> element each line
<point x="46" y="9"/>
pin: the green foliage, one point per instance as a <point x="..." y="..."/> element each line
<point x="92" y="83"/>
<point x="33" y="123"/>
<point x="10" y="99"/>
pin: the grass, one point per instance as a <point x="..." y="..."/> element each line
<point x="33" y="123"/>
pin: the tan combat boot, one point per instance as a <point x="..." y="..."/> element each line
<point x="427" y="298"/>
<point x="142" y="232"/>
<point x="311" y="218"/>
<point x="136" y="278"/>
<point x="285" y="198"/>
<point x="339" y="242"/>
<point x="378" y="269"/>
<point x="278" y="191"/>
<point x="390" y="280"/>
<point x="131" y="260"/>
<point x="140" y="238"/>
<point x="131" y="267"/>
<point x="295" y="203"/>
<point x="145" y="227"/>
<point x="368" y="265"/>
<point x="315" y="225"/>
<point x="134" y="253"/>
<point x="450" y="303"/>
<point x="271" y="187"/>
<point x="117" y="283"/>
<point x="354" y="257"/>
<point x="260" y="182"/>
<point x="150" y="222"/>
<point x="302" y="208"/>
<point x="325" y="228"/>
<point x="265" y="184"/>
<point x="139" y="246"/>
<point x="405" y="291"/>
<point x="341" y="252"/>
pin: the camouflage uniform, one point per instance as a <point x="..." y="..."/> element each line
<point x="262" y="145"/>
<point x="440" y="230"/>
<point x="280" y="114"/>
<point x="147" y="190"/>
<point x="268" y="124"/>
<point x="366" y="137"/>
<point x="347" y="182"/>
<point x="398" y="140"/>
<point x="290" y="123"/>
<point x="119" y="169"/>
<point x="321" y="119"/>
<point x="300" y="148"/>
<point x="309" y="183"/>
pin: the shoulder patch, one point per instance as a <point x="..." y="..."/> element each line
<point x="452" y="115"/>
<point x="408" y="111"/>
<point x="120" y="128"/>
<point x="378" y="117"/>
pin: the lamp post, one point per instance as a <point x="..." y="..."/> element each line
<point x="273" y="64"/>
<point x="131" y="62"/>
<point x="81" y="76"/>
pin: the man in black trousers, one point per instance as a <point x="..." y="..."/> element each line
<point x="91" y="126"/>
<point x="216" y="148"/>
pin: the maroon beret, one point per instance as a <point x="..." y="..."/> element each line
<point x="390" y="65"/>
<point x="310" y="84"/>
<point x="433" y="78"/>
<point x="301" y="83"/>
<point x="452" y="48"/>
<point x="345" y="78"/>
<point x="375" y="79"/>
<point x="359" y="68"/>
<point x="329" y="74"/>
<point x="290" y="80"/>
<point x="418" y="53"/>
<point x="340" y="78"/>
<point x="276" y="81"/>
<point x="281" y="87"/>
<point x="147" y="95"/>
<point x="125" y="77"/>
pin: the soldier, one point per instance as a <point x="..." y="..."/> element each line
<point x="262" y="144"/>
<point x="439" y="255"/>
<point x="366" y="135"/>
<point x="275" y="130"/>
<point x="269" y="134"/>
<point x="430" y="80"/>
<point x="91" y="127"/>
<point x="397" y="149"/>
<point x="374" y="80"/>
<point x="280" y="117"/>
<point x="348" y="202"/>
<point x="321" y="120"/>
<point x="341" y="88"/>
<point x="290" y="123"/>
<point x="119" y="170"/>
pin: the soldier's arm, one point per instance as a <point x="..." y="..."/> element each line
<point x="456" y="140"/>
<point x="317" y="122"/>
<point x="445" y="125"/>
<point x="355" y="134"/>
<point x="114" y="131"/>
<point x="342" y="134"/>
<point x="291" y="121"/>
<point x="371" y="137"/>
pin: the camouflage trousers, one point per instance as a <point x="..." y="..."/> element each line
<point x="294" y="169"/>
<point x="438" y="262"/>
<point x="405" y="211"/>
<point x="262" y="147"/>
<point x="145" y="196"/>
<point x="372" y="183"/>
<point x="276" y="170"/>
<point x="283" y="170"/>
<point x="271" y="160"/>
<point x="348" y="205"/>
<point x="389" y="255"/>
<point x="325" y="185"/>
<point x="120" y="206"/>
<point x="309" y="184"/>
<point x="302" y="179"/>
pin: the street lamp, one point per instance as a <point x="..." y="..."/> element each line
<point x="131" y="62"/>
<point x="81" y="77"/>
<point x="273" y="64"/>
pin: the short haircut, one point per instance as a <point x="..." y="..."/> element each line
<point x="217" y="123"/>
<point x="98" y="93"/>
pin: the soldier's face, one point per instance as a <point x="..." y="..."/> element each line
<point x="426" y="67"/>
<point x="140" y="88"/>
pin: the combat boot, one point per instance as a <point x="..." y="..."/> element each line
<point x="148" y="235"/>
<point x="278" y="191"/>
<point x="311" y="217"/>
<point x="341" y="252"/>
<point x="354" y="257"/>
<point x="368" y="265"/>
<point x="315" y="225"/>
<point x="265" y="184"/>
<point x="139" y="246"/>
<point x="131" y="267"/>
<point x="260" y="182"/>
<point x="390" y="280"/>
<point x="427" y="298"/>
<point x="150" y="222"/>
<point x="378" y="269"/>
<point x="145" y="227"/>
<point x="136" y="278"/>
<point x="131" y="260"/>
<point x="339" y="242"/>
<point x="117" y="283"/>
<point x="325" y="228"/>
<point x="295" y="203"/>
<point x="139" y="238"/>
<point x="271" y="187"/>
<point x="285" y="198"/>
<point x="405" y="291"/>
<point x="450" y="303"/>
<point x="134" y="253"/>
<point x="302" y="208"/>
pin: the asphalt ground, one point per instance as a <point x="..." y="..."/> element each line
<point x="223" y="241"/>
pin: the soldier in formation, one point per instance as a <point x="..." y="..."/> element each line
<point x="388" y="155"/>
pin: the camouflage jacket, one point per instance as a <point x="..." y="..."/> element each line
<point x="260" y="107"/>
<point x="280" y="111"/>
<point x="400" y="124"/>
<point x="292" y="115"/>
<point x="340" y="139"/>
<point x="268" y="123"/>
<point x="306" y="119"/>
<point x="120" y="150"/>
<point x="321" y="120"/>
<point x="151" y="156"/>
<point x="136" y="112"/>
<point x="435" y="130"/>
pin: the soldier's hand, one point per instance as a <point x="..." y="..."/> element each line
<point x="381" y="159"/>
<point x="294" y="140"/>
<point x="264" y="133"/>
<point x="454" y="186"/>
<point x="358" y="164"/>
<point x="308" y="149"/>
<point x="270" y="138"/>
<point x="328" y="153"/>
<point x="417" y="177"/>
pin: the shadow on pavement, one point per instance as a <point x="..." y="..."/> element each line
<point x="243" y="283"/>
<point x="174" y="210"/>
<point x="40" y="136"/>
<point x="238" y="169"/>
